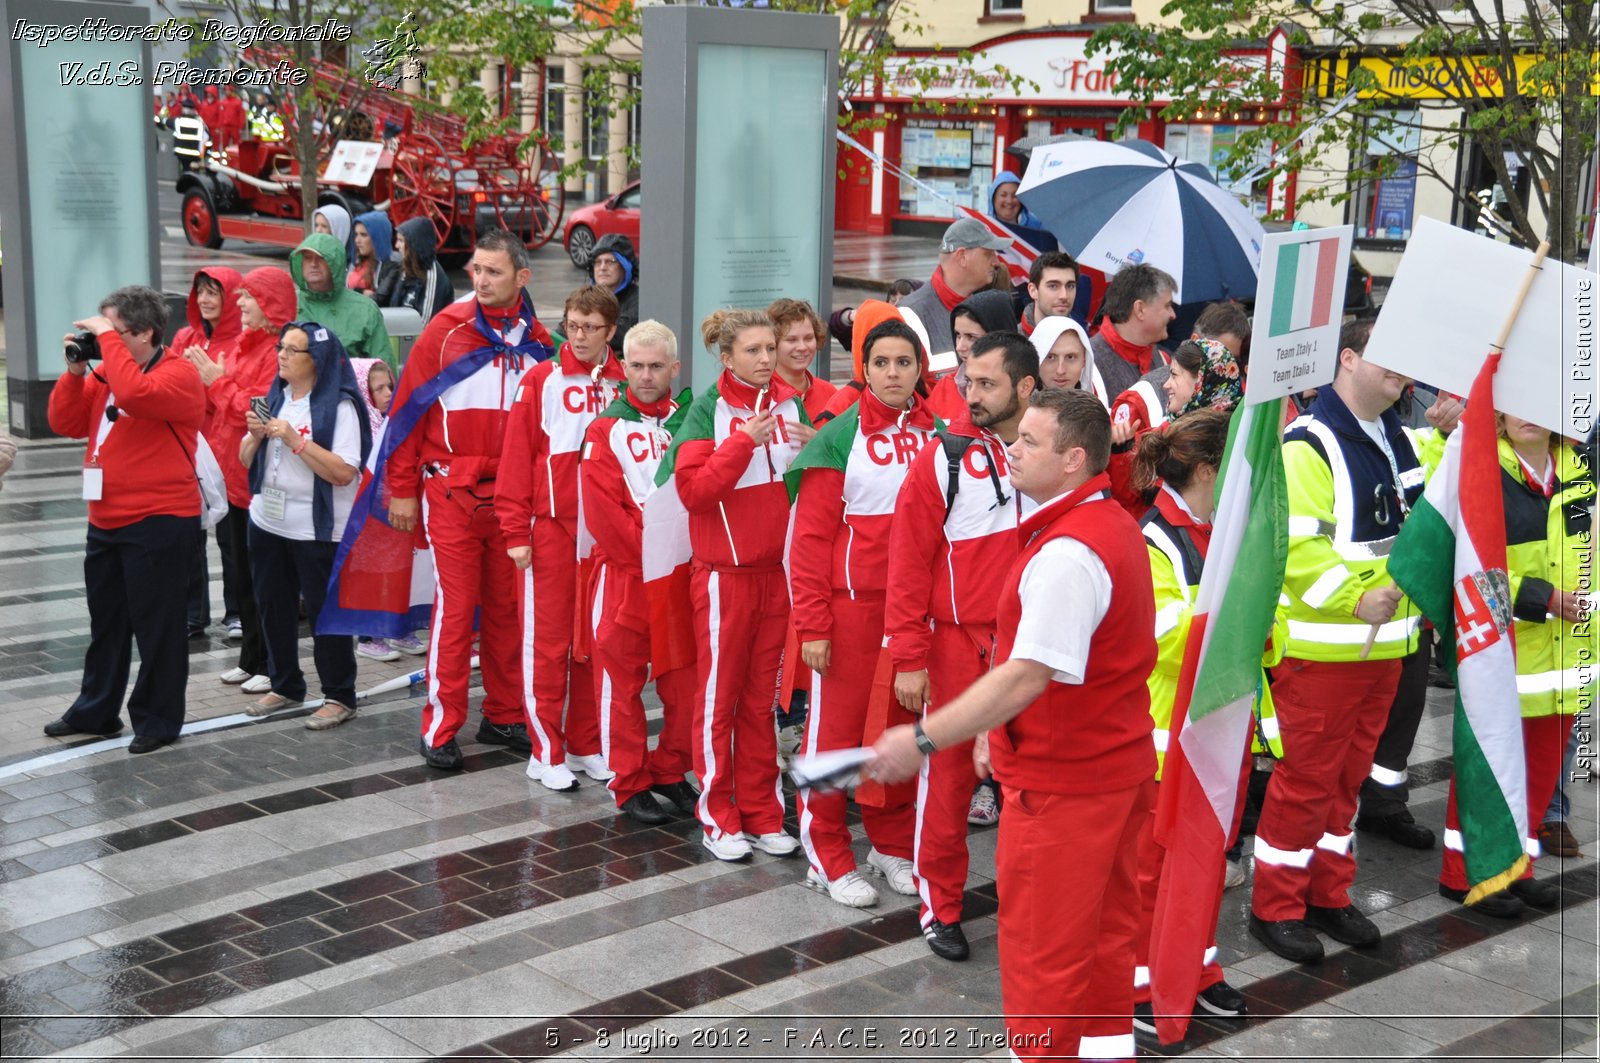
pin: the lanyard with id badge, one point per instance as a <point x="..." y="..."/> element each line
<point x="94" y="477"/>
<point x="272" y="496"/>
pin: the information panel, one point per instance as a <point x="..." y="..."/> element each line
<point x="758" y="193"/>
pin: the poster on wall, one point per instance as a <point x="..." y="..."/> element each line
<point x="1393" y="204"/>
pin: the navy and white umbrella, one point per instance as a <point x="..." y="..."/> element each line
<point x="1112" y="205"/>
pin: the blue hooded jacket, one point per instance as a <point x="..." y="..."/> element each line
<point x="382" y="233"/>
<point x="1024" y="220"/>
<point x="336" y="383"/>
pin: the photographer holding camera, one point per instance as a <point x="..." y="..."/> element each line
<point x="141" y="411"/>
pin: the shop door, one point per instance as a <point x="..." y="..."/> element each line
<point x="853" y="197"/>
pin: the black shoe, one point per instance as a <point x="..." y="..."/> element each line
<point x="683" y="795"/>
<point x="1500" y="905"/>
<point x="643" y="807"/>
<point x="62" y="728"/>
<point x="514" y="736"/>
<point x="1537" y="893"/>
<point x="1222" y="999"/>
<point x="1345" y="925"/>
<point x="1399" y="828"/>
<point x="1144" y="1019"/>
<point x="149" y="743"/>
<point x="1289" y="938"/>
<point x="947" y="940"/>
<point x="446" y="757"/>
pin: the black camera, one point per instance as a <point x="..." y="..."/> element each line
<point x="83" y="347"/>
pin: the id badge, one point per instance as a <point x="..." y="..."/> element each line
<point x="272" y="503"/>
<point x="94" y="482"/>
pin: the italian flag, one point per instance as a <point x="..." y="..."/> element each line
<point x="1311" y="271"/>
<point x="1450" y="559"/>
<point x="1213" y="714"/>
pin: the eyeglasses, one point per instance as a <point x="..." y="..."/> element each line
<point x="585" y="330"/>
<point x="293" y="350"/>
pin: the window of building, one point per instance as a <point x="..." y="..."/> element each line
<point x="555" y="102"/>
<point x="953" y="163"/>
<point x="1002" y="7"/>
<point x="1111" y="7"/>
<point x="1382" y="208"/>
<point x="596" y="125"/>
<point x="635" y="117"/>
<point x="1483" y="205"/>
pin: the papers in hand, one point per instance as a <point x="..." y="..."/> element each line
<point x="834" y="770"/>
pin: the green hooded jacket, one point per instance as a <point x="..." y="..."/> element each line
<point x="352" y="317"/>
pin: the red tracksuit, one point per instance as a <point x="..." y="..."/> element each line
<point x="1078" y="770"/>
<point x="838" y="564"/>
<point x="537" y="504"/>
<point x="945" y="574"/>
<point x="621" y="453"/>
<point x="738" y="510"/>
<point x="457" y="445"/>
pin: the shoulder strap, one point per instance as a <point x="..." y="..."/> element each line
<point x="955" y="449"/>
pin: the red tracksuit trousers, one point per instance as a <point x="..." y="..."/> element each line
<point x="740" y="617"/>
<point x="1066" y="966"/>
<point x="621" y="664"/>
<point x="1544" y="744"/>
<point x="837" y="720"/>
<point x="550" y="675"/>
<point x="474" y="583"/>
<point x="1331" y="714"/>
<point x="957" y="656"/>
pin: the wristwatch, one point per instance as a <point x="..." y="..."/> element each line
<point x="924" y="743"/>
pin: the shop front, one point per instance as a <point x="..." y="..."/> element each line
<point x="948" y="127"/>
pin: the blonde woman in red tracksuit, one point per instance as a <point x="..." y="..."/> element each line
<point x="848" y="480"/>
<point x="728" y="463"/>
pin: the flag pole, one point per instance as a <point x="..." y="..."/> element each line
<point x="1499" y="344"/>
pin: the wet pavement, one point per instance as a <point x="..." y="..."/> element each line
<point x="262" y="890"/>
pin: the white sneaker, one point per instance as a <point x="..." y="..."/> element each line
<point x="594" y="766"/>
<point x="775" y="844"/>
<point x="256" y="684"/>
<point x="790" y="739"/>
<point x="1234" y="876"/>
<point x="552" y="776"/>
<point x="729" y="847"/>
<point x="849" y="889"/>
<point x="234" y="676"/>
<point x="896" y="871"/>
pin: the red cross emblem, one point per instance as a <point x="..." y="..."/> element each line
<point x="305" y="431"/>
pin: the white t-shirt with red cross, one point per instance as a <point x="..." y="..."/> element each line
<point x="288" y="472"/>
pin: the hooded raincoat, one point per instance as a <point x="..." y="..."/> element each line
<point x="429" y="293"/>
<point x="621" y="248"/>
<point x="351" y="316"/>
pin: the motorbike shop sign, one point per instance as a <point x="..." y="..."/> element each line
<point x="1059" y="66"/>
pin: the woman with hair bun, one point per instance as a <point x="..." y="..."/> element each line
<point x="1180" y="466"/>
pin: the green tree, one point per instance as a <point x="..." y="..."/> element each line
<point x="1522" y="75"/>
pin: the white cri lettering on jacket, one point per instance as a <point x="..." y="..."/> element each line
<point x="639" y="447"/>
<point x="769" y="462"/>
<point x="567" y="407"/>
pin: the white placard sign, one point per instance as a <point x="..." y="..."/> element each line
<point x="1294" y="341"/>
<point x="352" y="162"/>
<point x="1448" y="302"/>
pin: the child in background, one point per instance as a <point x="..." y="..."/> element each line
<point x="377" y="387"/>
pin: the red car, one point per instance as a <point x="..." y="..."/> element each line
<point x="619" y="214"/>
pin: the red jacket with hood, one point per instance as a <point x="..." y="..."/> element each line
<point x="465" y="429"/>
<point x="557" y="402"/>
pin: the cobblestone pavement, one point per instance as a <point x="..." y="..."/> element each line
<point x="265" y="891"/>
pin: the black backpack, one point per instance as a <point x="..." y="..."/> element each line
<point x="955" y="449"/>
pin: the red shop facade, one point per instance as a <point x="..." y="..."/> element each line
<point x="953" y="136"/>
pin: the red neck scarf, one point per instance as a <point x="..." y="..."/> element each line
<point x="657" y="409"/>
<point x="1132" y="353"/>
<point x="572" y="365"/>
<point x="1172" y="507"/>
<point x="947" y="295"/>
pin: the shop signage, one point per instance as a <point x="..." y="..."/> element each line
<point x="1057" y="64"/>
<point x="1438" y="78"/>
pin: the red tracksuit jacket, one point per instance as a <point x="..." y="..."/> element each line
<point x="951" y="569"/>
<point x="618" y="470"/>
<point x="465" y="429"/>
<point x="733" y="489"/>
<point x="558" y="401"/>
<point x="843" y="516"/>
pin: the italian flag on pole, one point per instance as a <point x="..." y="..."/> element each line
<point x="1450" y="559"/>
<point x="1213" y="714"/>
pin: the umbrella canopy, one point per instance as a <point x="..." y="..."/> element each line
<point x="1118" y="204"/>
<point x="1023" y="146"/>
